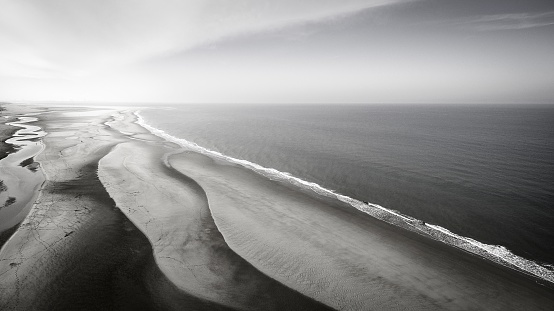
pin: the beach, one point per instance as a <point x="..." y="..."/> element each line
<point x="127" y="220"/>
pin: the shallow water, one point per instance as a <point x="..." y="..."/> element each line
<point x="19" y="174"/>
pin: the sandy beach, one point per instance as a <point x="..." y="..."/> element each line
<point x="128" y="221"/>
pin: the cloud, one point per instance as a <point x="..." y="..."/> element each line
<point x="509" y="21"/>
<point x="73" y="38"/>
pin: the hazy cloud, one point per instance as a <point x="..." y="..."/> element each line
<point x="510" y="21"/>
<point x="72" y="38"/>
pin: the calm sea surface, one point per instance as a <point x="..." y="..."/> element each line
<point x="485" y="172"/>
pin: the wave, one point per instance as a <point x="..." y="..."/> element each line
<point x="495" y="253"/>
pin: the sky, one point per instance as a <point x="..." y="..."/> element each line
<point x="277" y="51"/>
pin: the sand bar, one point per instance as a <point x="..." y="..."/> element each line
<point x="173" y="212"/>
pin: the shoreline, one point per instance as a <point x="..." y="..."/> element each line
<point x="494" y="253"/>
<point x="372" y="260"/>
<point x="213" y="235"/>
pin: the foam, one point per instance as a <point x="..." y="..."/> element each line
<point x="495" y="253"/>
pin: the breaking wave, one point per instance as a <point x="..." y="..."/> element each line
<point x="495" y="253"/>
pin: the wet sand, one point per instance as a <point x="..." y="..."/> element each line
<point x="74" y="244"/>
<point x="20" y="177"/>
<point x="77" y="250"/>
<point x="128" y="221"/>
<point x="20" y="174"/>
<point x="6" y="132"/>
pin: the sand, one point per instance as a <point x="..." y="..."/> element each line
<point x="20" y="177"/>
<point x="173" y="212"/>
<point x="68" y="245"/>
<point x="19" y="173"/>
<point x="77" y="250"/>
<point x="128" y="221"/>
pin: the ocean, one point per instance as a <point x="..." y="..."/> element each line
<point x="485" y="172"/>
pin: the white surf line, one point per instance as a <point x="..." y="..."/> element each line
<point x="496" y="253"/>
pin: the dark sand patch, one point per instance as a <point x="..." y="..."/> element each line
<point x="6" y="234"/>
<point x="26" y="162"/>
<point x="9" y="201"/>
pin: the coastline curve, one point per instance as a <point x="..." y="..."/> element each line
<point x="496" y="253"/>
